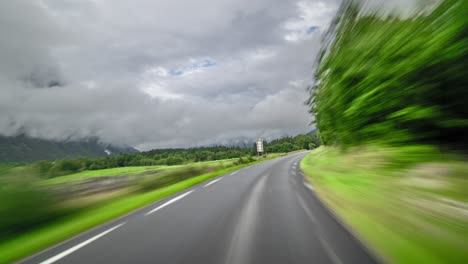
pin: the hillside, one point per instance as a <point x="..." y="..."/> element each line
<point x="25" y="149"/>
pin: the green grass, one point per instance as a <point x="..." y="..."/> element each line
<point x="408" y="203"/>
<point x="5" y="167"/>
<point x="41" y="238"/>
<point x="124" y="171"/>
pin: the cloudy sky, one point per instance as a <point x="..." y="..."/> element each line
<point x="154" y="74"/>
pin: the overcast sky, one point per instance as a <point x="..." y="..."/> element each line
<point x="154" y="74"/>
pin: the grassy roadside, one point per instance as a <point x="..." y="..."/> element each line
<point x="410" y="204"/>
<point x="41" y="238"/>
<point x="124" y="171"/>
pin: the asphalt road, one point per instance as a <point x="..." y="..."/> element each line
<point x="260" y="214"/>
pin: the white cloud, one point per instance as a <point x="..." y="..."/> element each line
<point x="313" y="17"/>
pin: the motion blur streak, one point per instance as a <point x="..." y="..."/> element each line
<point x="390" y="103"/>
<point x="383" y="77"/>
<point x="388" y="155"/>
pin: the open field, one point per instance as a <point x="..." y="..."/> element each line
<point x="410" y="203"/>
<point x="124" y="171"/>
<point x="4" y="167"/>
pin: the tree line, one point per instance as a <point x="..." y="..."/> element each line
<point x="173" y="156"/>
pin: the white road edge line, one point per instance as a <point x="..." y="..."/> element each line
<point x="335" y="259"/>
<point x="173" y="200"/>
<point x="234" y="172"/>
<point x="331" y="253"/>
<point x="309" y="186"/>
<point x="82" y="244"/>
<point x="211" y="182"/>
<point x="307" y="211"/>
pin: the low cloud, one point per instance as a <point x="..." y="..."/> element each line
<point x="155" y="74"/>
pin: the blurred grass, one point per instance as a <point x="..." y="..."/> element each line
<point x="39" y="238"/>
<point x="410" y="204"/>
<point x="6" y="167"/>
<point x="124" y="171"/>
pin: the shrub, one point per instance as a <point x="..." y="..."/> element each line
<point x="22" y="206"/>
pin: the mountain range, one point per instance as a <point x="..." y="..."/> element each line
<point x="22" y="148"/>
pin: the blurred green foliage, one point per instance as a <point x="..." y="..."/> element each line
<point x="288" y="144"/>
<point x="395" y="80"/>
<point x="23" y="206"/>
<point x="170" y="177"/>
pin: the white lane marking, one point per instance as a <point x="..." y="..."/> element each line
<point x="234" y="172"/>
<point x="169" y="202"/>
<point x="82" y="244"/>
<point x="293" y="172"/>
<point x="241" y="245"/>
<point x="335" y="259"/>
<point x="211" y="182"/>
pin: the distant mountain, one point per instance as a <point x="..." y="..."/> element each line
<point x="25" y="149"/>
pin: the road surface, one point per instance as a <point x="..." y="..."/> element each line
<point x="259" y="214"/>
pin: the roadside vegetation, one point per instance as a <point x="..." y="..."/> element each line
<point x="114" y="172"/>
<point x="45" y="202"/>
<point x="391" y="110"/>
<point x="410" y="204"/>
<point x="395" y="80"/>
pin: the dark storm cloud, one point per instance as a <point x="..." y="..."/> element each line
<point x="158" y="73"/>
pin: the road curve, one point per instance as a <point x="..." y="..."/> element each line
<point x="260" y="214"/>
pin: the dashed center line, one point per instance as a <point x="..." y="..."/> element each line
<point x="82" y="244"/>
<point x="212" y="182"/>
<point x="169" y="202"/>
